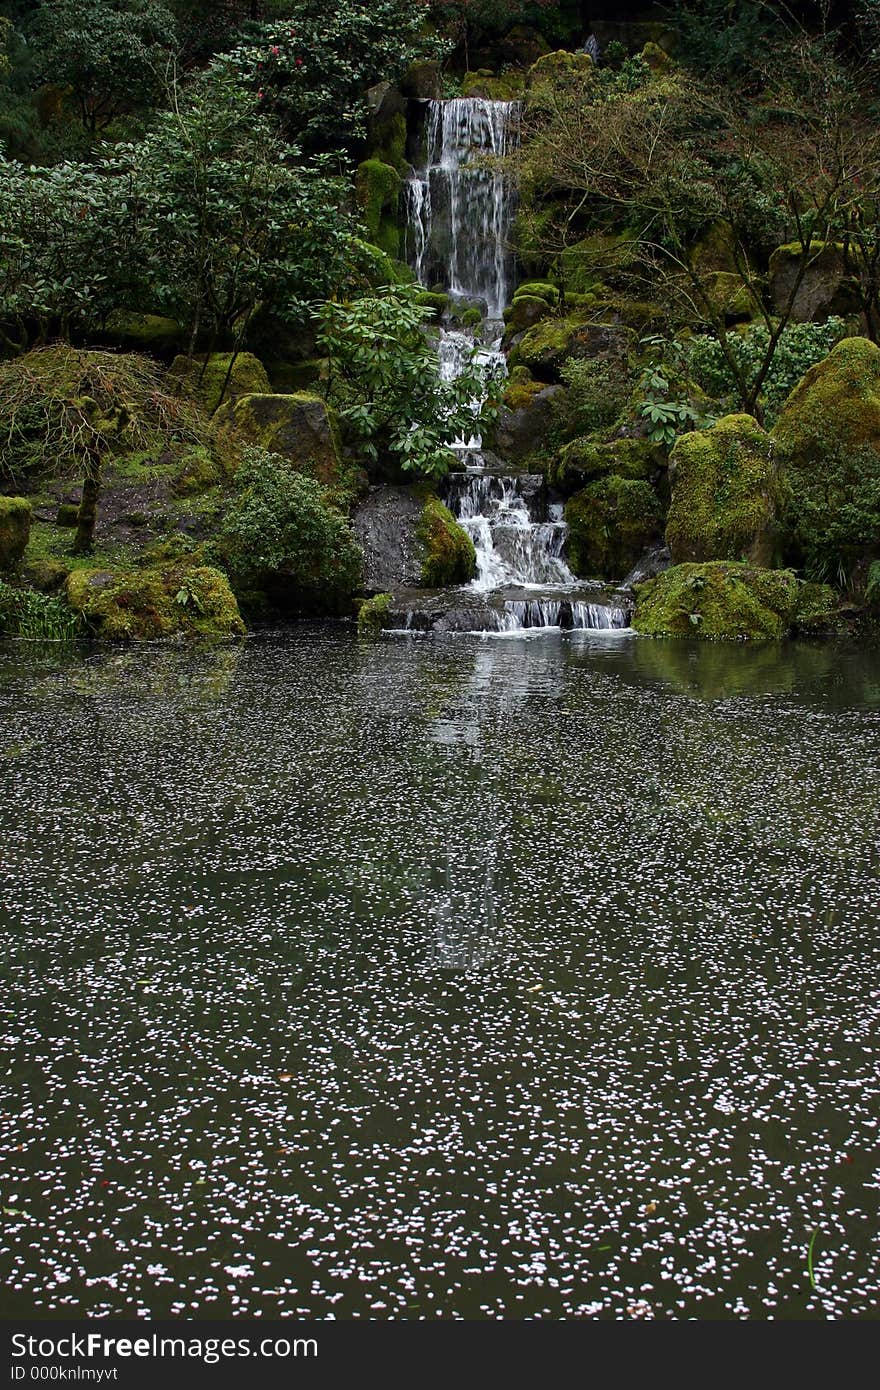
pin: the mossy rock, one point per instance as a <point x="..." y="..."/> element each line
<point x="656" y="58"/>
<point x="422" y="81"/>
<point x="519" y="394"/>
<point x="448" y="556"/>
<point x="610" y="524"/>
<point x="525" y="311"/>
<point x="729" y="295"/>
<point x="437" y="303"/>
<point x="725" y="493"/>
<point x="199" y="470"/>
<point x="828" y="434"/>
<point x="151" y="333"/>
<point x="374" y="614"/>
<point x="562" y="67"/>
<point x="715" y="249"/>
<point x="551" y="342"/>
<point x="817" y="609"/>
<point x="299" y="426"/>
<point x="825" y="289"/>
<point x="508" y="86"/>
<point x="15" y="529"/>
<point x="67" y="514"/>
<point x="155" y="602"/>
<point x="471" y="318"/>
<point x="586" y="458"/>
<point x="378" y="191"/>
<point x="380" y="269"/>
<point x="217" y="376"/>
<point x="719" y="600"/>
<point x="540" y="289"/>
<point x="389" y="141"/>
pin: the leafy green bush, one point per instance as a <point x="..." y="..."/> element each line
<point x="282" y="536"/>
<point x="835" y="519"/>
<point x="800" y="347"/>
<point x="598" y="391"/>
<point x="385" y="384"/>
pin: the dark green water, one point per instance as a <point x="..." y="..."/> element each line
<point x="529" y="977"/>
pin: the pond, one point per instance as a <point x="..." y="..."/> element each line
<point x="525" y="977"/>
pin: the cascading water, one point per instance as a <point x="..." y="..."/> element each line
<point x="513" y="549"/>
<point x="460" y="204"/>
<point x="460" y="207"/>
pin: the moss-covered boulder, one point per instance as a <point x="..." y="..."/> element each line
<point x="217" y="376"/>
<point x="299" y="427"/>
<point x="656" y="58"/>
<point x="610" y="524"/>
<point x="825" y="288"/>
<point x="585" y="459"/>
<point x="422" y="81"/>
<point x="731" y="602"/>
<point x="828" y="435"/>
<point x="525" y="311"/>
<point x="539" y="289"/>
<point x="142" y="605"/>
<point x="526" y="420"/>
<point x="374" y="614"/>
<point x="15" y="529"/>
<point x="725" y="493"/>
<point x="448" y="555"/>
<point x="506" y="86"/>
<point x="437" y="303"/>
<point x="378" y="191"/>
<point x="559" y="68"/>
<point x="544" y="348"/>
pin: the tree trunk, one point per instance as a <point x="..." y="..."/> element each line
<point x="87" y="516"/>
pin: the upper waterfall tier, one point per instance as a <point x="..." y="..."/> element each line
<point x="460" y="203"/>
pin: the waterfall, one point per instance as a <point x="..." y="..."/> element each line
<point x="514" y="549"/>
<point x="460" y="208"/>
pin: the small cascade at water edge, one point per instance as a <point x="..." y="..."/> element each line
<point x="460" y="206"/>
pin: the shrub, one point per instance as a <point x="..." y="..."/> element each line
<point x="281" y="536"/>
<point x="598" y="391"/>
<point x="800" y="347"/>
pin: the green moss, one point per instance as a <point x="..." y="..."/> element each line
<point x="67" y="514"/>
<point x="627" y="457"/>
<point x="610" y="522"/>
<point x="540" y="289"/>
<point x="448" y="551"/>
<point x="518" y="395"/>
<point x="390" y="142"/>
<point x="299" y="426"/>
<point x="546" y="346"/>
<point x="725" y="493"/>
<point x="872" y="587"/>
<point x="656" y="59"/>
<point x="526" y="310"/>
<point x="15" y="529"/>
<point x="199" y="469"/>
<point x="437" y="303"/>
<point x="217" y="376"/>
<point x="508" y="86"/>
<point x="378" y="189"/>
<point x="155" y="602"/>
<point x="554" y="69"/>
<point x="828" y="433"/>
<point x="374" y="615"/>
<point x="49" y="549"/>
<point x="471" y="318"/>
<point x="816" y="609"/>
<point x="718" y="601"/>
